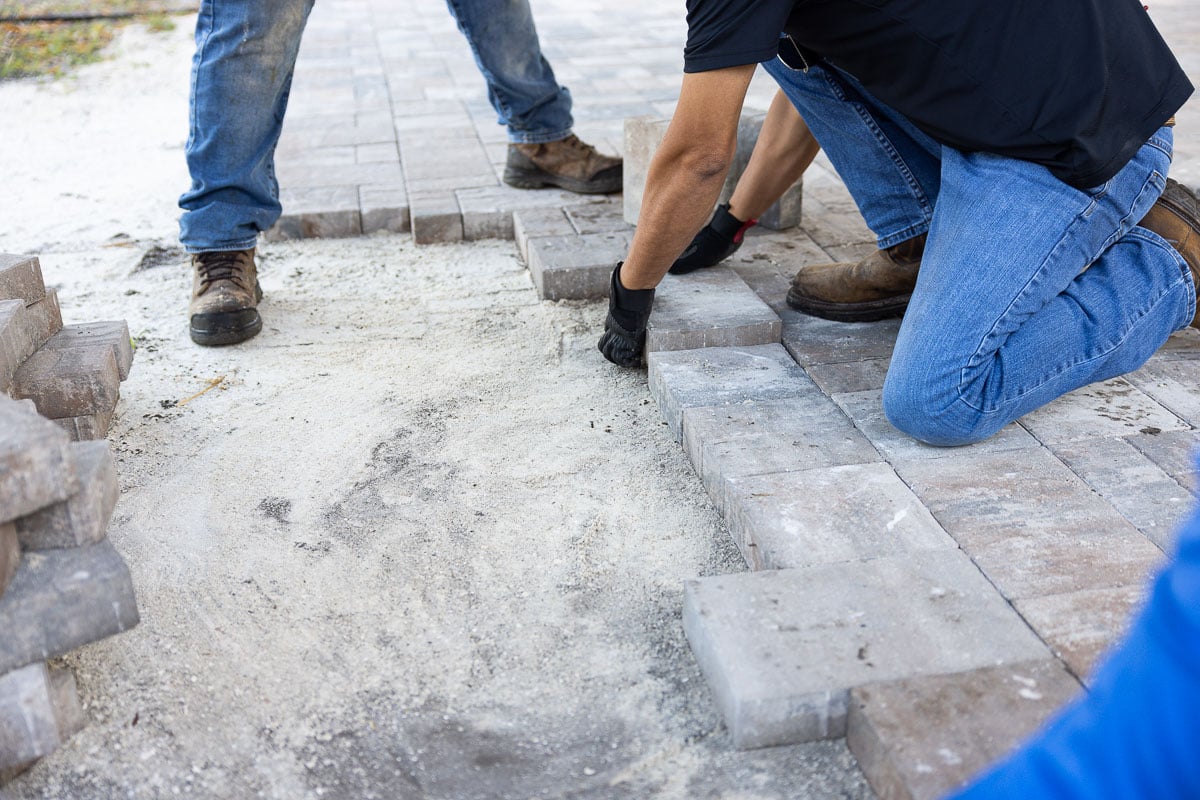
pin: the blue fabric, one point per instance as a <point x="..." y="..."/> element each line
<point x="1136" y="734"/>
<point x="242" y="74"/>
<point x="1029" y="288"/>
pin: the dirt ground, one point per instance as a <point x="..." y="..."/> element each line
<point x="416" y="540"/>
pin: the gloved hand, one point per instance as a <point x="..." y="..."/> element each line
<point x="715" y="242"/>
<point x="624" y="336"/>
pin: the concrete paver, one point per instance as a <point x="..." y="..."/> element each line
<point x="709" y="308"/>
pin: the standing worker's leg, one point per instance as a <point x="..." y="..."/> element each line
<point x="1031" y="288"/>
<point x="528" y="100"/>
<point x="241" y="76"/>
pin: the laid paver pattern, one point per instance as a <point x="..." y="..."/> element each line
<point x="935" y="604"/>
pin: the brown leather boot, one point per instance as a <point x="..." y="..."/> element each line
<point x="877" y="287"/>
<point x="225" y="295"/>
<point x="568" y="164"/>
<point x="1176" y="218"/>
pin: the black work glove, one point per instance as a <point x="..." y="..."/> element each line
<point x="624" y="336"/>
<point x="715" y="242"/>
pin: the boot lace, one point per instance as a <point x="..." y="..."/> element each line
<point x="226" y="265"/>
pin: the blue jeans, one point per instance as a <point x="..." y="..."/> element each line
<point x="1028" y="289"/>
<point x="242" y="73"/>
<point x="521" y="85"/>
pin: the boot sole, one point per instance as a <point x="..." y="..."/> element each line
<point x="216" y="330"/>
<point x="871" y="311"/>
<point x="537" y="179"/>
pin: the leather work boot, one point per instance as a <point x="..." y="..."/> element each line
<point x="877" y="287"/>
<point x="1176" y="218"/>
<point x="225" y="295"/>
<point x="568" y="164"/>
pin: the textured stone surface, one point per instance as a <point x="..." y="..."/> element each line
<point x="709" y="308"/>
<point x="62" y="599"/>
<point x="87" y="428"/>
<point x="1137" y="487"/>
<point x="575" y="267"/>
<point x="39" y="710"/>
<point x="826" y="516"/>
<point x="73" y="382"/>
<point x="920" y="738"/>
<point x="797" y="433"/>
<point x="1080" y="626"/>
<point x="1112" y="408"/>
<point x="643" y="135"/>
<point x="784" y="212"/>
<point x="36" y="468"/>
<point x="112" y="334"/>
<point x="538" y="223"/>
<point x="782" y="649"/>
<point x="1031" y="524"/>
<point x="21" y="278"/>
<point x="384" y="208"/>
<point x="1174" y="453"/>
<point x="10" y="554"/>
<point x="487" y="212"/>
<point x="812" y="340"/>
<point x="721" y="376"/>
<point x="83" y="517"/>
<point x="47" y="316"/>
<point x="601" y="217"/>
<point x="18" y="339"/>
<point x="435" y="216"/>
<point x="318" y="212"/>
<point x="1171" y="383"/>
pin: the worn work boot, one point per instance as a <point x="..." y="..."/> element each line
<point x="225" y="295"/>
<point x="877" y="287"/>
<point x="568" y="164"/>
<point x="1176" y="218"/>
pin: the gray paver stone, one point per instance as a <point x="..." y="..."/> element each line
<point x="36" y="465"/>
<point x="575" y="267"/>
<point x="1136" y="486"/>
<point x="1172" y="383"/>
<point x="920" y="738"/>
<point x="866" y="409"/>
<point x="83" y="517"/>
<point x="487" y="211"/>
<point x="782" y="649"/>
<point x="62" y="599"/>
<point x="850" y="376"/>
<point x="828" y="515"/>
<point x="384" y="208"/>
<point x="435" y="216"/>
<point x="87" y="428"/>
<point x="21" y="278"/>
<point x="1111" y="408"/>
<point x="769" y="436"/>
<point x="1080" y="626"/>
<point x="18" y="339"/>
<point x="709" y="308"/>
<point x="318" y="212"/>
<point x="1031" y="524"/>
<point x="784" y="212"/>
<point x="1174" y="452"/>
<point x="643" y="135"/>
<point x="47" y="316"/>
<point x="537" y="223"/>
<point x="39" y="710"/>
<point x="721" y="376"/>
<point x="10" y="554"/>
<point x="73" y="382"/>
<point x="113" y="334"/>
<point x="812" y="340"/>
<point x="602" y="217"/>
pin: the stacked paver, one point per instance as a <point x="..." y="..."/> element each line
<point x="62" y="585"/>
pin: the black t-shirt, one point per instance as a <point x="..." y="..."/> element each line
<point x="1076" y="85"/>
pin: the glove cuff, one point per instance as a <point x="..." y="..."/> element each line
<point x="729" y="226"/>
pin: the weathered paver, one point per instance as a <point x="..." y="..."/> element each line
<point x="39" y="710"/>
<point x="47" y="316"/>
<point x="71" y="382"/>
<point x="18" y="339"/>
<point x="784" y="213"/>
<point x="10" y="554"/>
<point x="1080" y="626"/>
<point x="1111" y="408"/>
<point x="89" y="427"/>
<point x="1174" y="452"/>
<point x="21" y="278"/>
<point x="1031" y="524"/>
<point x="812" y="340"/>
<point x="782" y="649"/>
<point x="83" y="517"/>
<point x="709" y="308"/>
<point x="539" y="223"/>
<point x="318" y="212"/>
<point x="757" y="438"/>
<point x="721" y="376"/>
<point x="112" y="334"/>
<point x="826" y="516"/>
<point x="36" y="466"/>
<point x="1172" y="382"/>
<point x="487" y="212"/>
<point x="920" y="738"/>
<point x="643" y="135"/>
<point x="575" y="267"/>
<point x="62" y="599"/>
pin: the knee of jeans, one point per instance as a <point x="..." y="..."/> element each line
<point x="913" y="409"/>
